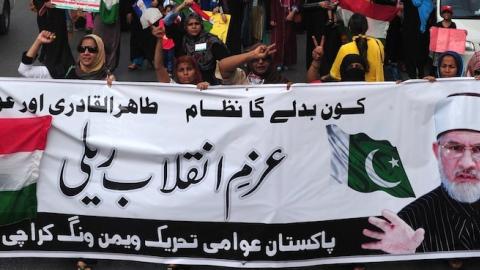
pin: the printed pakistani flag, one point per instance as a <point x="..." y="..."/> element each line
<point x="22" y="141"/>
<point x="378" y="13"/>
<point x="195" y="8"/>
<point x="367" y="165"/>
<point x="109" y="11"/>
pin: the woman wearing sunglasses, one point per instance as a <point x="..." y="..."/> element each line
<point x="89" y="66"/>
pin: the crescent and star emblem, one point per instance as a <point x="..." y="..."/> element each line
<point x="374" y="176"/>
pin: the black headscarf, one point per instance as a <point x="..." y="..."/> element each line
<point x="349" y="74"/>
<point x="204" y="58"/>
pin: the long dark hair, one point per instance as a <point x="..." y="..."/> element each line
<point x="358" y="26"/>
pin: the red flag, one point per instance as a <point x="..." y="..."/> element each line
<point x="367" y="8"/>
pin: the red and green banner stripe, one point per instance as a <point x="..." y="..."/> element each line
<point x="22" y="142"/>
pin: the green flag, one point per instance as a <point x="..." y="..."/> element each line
<point x="367" y="165"/>
<point x="109" y="11"/>
<point x="195" y="8"/>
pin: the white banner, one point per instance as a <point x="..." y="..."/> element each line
<point x="243" y="177"/>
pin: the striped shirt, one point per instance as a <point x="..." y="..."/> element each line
<point x="449" y="225"/>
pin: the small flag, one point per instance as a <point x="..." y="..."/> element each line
<point x="147" y="14"/>
<point x="195" y="8"/>
<point x="22" y="144"/>
<point x="219" y="28"/>
<point x="367" y="165"/>
<point x="378" y="12"/>
<point x="109" y="11"/>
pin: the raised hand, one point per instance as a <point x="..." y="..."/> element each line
<point x="318" y="51"/>
<point x="46" y="37"/>
<point x="263" y="51"/>
<point x="397" y="237"/>
<point x="188" y="2"/>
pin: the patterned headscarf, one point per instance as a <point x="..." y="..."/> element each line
<point x="473" y="64"/>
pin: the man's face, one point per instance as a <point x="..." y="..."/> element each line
<point x="458" y="154"/>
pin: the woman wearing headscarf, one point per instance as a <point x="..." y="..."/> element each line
<point x="369" y="48"/>
<point x="205" y="48"/>
<point x="185" y="70"/>
<point x="89" y="66"/>
<point x="450" y="64"/>
<point x="352" y="68"/>
<point x="259" y="67"/>
<point x="194" y="41"/>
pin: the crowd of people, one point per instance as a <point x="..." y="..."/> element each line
<point x="181" y="50"/>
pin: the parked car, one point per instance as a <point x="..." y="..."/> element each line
<point x="6" y="7"/>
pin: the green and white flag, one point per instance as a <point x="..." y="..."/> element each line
<point x="109" y="11"/>
<point x="367" y="165"/>
<point x="22" y="142"/>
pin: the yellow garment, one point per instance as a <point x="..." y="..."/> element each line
<point x="219" y="28"/>
<point x="375" y="57"/>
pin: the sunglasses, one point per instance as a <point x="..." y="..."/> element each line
<point x="476" y="72"/>
<point x="82" y="49"/>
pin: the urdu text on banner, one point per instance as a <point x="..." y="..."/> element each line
<point x="240" y="177"/>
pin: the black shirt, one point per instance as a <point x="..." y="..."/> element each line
<point x="449" y="225"/>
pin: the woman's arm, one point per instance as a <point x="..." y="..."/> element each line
<point x="25" y="68"/>
<point x="160" y="70"/>
<point x="227" y="66"/>
<point x="317" y="54"/>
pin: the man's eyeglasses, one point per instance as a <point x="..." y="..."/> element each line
<point x="455" y="150"/>
<point x="82" y="49"/>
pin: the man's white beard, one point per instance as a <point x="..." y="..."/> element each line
<point x="462" y="192"/>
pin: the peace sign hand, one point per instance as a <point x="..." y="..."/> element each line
<point x="318" y="51"/>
